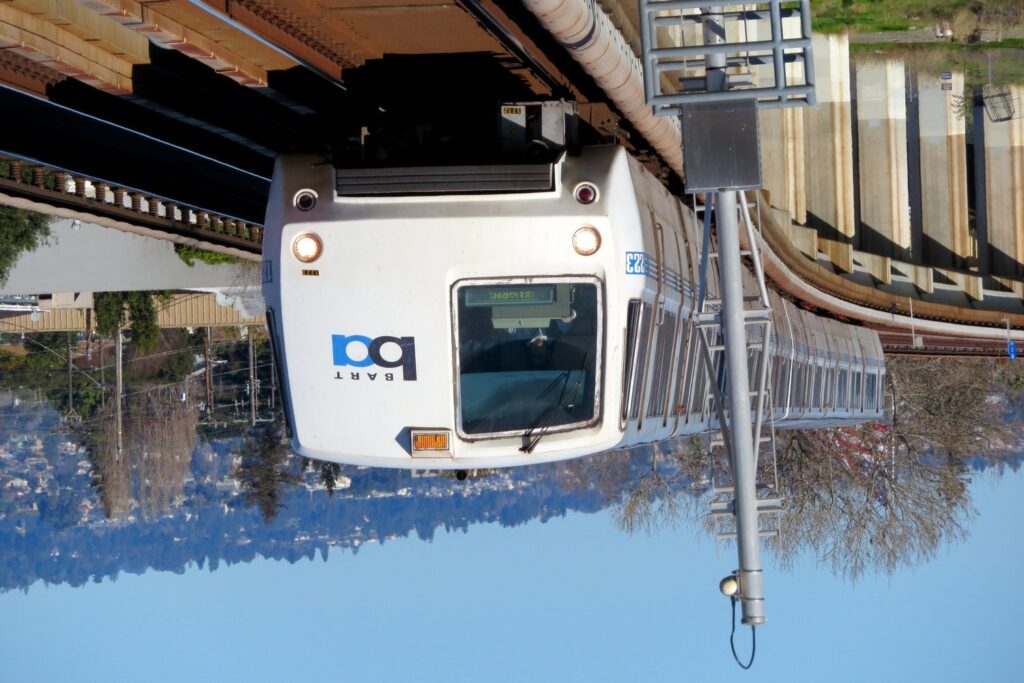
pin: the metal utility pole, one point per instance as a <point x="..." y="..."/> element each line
<point x="252" y="382"/>
<point x="273" y="384"/>
<point x="88" y="333"/>
<point x="208" y="373"/>
<point x="118" y="349"/>
<point x="103" y="377"/>
<point x="71" y="394"/>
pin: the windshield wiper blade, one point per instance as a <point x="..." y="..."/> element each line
<point x="548" y="413"/>
<point x="543" y="421"/>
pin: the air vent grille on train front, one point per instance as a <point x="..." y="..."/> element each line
<point x="437" y="180"/>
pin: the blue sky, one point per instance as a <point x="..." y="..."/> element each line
<point x="570" y="600"/>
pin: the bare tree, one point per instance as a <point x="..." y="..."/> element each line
<point x="858" y="499"/>
<point x="947" y="405"/>
<point x="158" y="436"/>
<point x="113" y="476"/>
<point x="651" y="486"/>
<point x="162" y="433"/>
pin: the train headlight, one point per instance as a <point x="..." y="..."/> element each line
<point x="307" y="247"/>
<point x="305" y="200"/>
<point x="585" y="193"/>
<point x="586" y="240"/>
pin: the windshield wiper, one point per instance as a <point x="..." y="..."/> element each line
<point x="543" y="421"/>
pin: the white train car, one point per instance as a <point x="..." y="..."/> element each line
<point x="505" y="315"/>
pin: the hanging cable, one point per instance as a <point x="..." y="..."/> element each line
<point x="732" y="639"/>
<point x="705" y="249"/>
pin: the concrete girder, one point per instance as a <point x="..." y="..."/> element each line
<point x="35" y="38"/>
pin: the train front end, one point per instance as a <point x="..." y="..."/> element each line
<point x="447" y="318"/>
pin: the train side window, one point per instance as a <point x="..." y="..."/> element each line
<point x="642" y="336"/>
<point x="699" y="379"/>
<point x="826" y="374"/>
<point x="870" y="391"/>
<point x="781" y="381"/>
<point x="841" y="394"/>
<point x="819" y="381"/>
<point x="798" y="386"/>
<point x="826" y="392"/>
<point x="857" y="379"/>
<point x="629" y="360"/>
<point x="662" y="378"/>
<point x="833" y="378"/>
<point x="795" y="385"/>
<point x="681" y="371"/>
<point x="813" y="387"/>
<point x="809" y="385"/>
<point x="753" y="361"/>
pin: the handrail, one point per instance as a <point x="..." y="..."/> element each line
<point x="59" y="188"/>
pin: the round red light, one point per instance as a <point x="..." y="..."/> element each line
<point x="586" y="193"/>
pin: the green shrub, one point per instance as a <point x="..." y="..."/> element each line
<point x="190" y="255"/>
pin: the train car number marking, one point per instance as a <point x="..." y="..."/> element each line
<point x="636" y="263"/>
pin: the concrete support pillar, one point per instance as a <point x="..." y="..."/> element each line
<point x="1004" y="201"/>
<point x="829" y="128"/>
<point x="944" y="210"/>
<point x="882" y="149"/>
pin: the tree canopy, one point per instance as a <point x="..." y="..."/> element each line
<point x="20" y="231"/>
<point x="114" y="309"/>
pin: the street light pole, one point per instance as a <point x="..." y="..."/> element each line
<point x="734" y="327"/>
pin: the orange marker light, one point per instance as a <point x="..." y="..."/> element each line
<point x="430" y="441"/>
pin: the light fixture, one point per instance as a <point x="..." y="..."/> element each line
<point x="586" y="240"/>
<point x="585" y="193"/>
<point x="428" y="443"/>
<point x="729" y="585"/>
<point x="307" y="247"/>
<point x="305" y="200"/>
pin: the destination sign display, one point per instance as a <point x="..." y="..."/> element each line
<point x="510" y="295"/>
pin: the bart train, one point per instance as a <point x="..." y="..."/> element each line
<point x="490" y="316"/>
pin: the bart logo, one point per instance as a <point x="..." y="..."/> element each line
<point x="375" y="351"/>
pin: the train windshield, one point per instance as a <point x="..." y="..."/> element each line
<point x="528" y="356"/>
